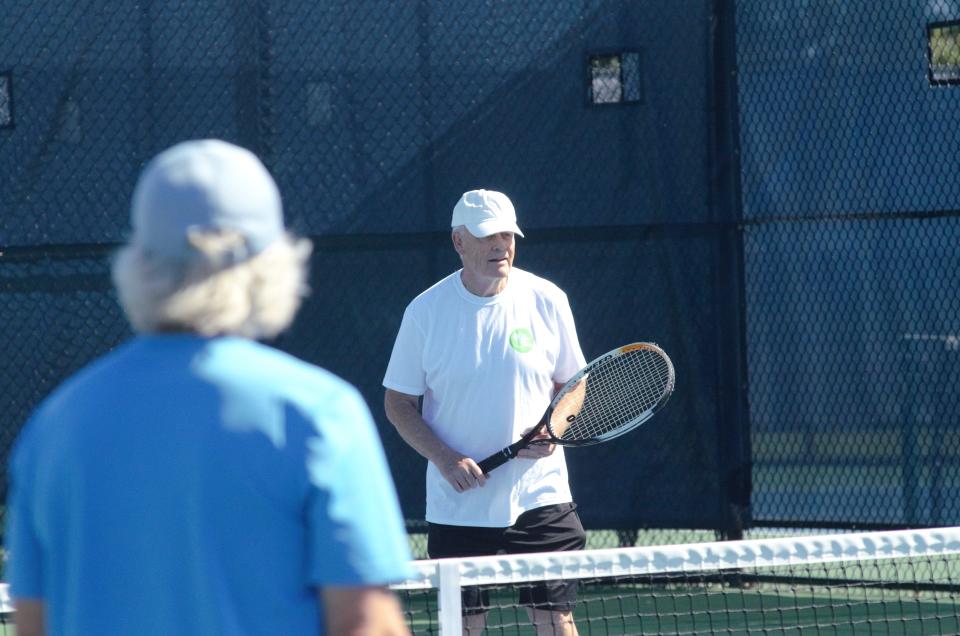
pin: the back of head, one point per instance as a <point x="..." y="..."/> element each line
<point x="209" y="253"/>
<point x="205" y="186"/>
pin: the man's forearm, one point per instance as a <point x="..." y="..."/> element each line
<point x="405" y="417"/>
<point x="460" y="471"/>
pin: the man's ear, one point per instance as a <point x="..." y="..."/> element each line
<point x="457" y="242"/>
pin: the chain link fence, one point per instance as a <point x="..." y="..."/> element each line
<point x="850" y="196"/>
<point x="765" y="188"/>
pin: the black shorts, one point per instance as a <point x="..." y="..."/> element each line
<point x="546" y="529"/>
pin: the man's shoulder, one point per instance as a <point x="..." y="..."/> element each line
<point x="88" y="389"/>
<point x="255" y="373"/>
<point x="99" y="374"/>
<point x="537" y="284"/>
<point x="441" y="291"/>
<point x="226" y="360"/>
<point x="266" y="366"/>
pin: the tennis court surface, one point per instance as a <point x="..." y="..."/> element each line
<point x="899" y="582"/>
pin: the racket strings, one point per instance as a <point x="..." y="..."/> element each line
<point x="615" y="395"/>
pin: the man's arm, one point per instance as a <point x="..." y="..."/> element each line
<point x="403" y="412"/>
<point x="366" y="611"/>
<point x="28" y="617"/>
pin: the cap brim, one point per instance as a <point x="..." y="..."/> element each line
<point x="486" y="228"/>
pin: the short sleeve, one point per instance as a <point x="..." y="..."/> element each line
<point x="405" y="372"/>
<point x="570" y="358"/>
<point x="25" y="566"/>
<point x="357" y="535"/>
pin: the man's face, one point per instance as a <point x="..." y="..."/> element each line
<point x="489" y="259"/>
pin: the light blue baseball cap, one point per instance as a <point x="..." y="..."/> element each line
<point x="205" y="185"/>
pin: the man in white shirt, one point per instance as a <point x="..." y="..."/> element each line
<point x="486" y="348"/>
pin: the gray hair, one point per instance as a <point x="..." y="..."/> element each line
<point x="212" y="294"/>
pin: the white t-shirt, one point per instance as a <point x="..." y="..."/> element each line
<point x="486" y="368"/>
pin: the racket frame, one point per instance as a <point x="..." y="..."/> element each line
<point x="501" y="457"/>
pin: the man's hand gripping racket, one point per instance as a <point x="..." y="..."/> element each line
<point x="612" y="395"/>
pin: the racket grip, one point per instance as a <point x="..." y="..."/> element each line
<point x="497" y="459"/>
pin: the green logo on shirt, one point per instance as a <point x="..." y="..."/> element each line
<point x="521" y="340"/>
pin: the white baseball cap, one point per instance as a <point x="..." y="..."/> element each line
<point x="205" y="185"/>
<point x="485" y="212"/>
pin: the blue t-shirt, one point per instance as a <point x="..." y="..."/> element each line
<point x="183" y="485"/>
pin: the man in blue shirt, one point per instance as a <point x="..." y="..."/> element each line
<point x="194" y="481"/>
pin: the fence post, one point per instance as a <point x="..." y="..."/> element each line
<point x="733" y="424"/>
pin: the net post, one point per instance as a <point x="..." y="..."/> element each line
<point x="450" y="615"/>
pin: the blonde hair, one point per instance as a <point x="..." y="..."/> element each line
<point x="216" y="292"/>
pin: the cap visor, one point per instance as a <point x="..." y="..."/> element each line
<point x="481" y="230"/>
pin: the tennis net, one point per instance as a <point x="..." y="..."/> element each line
<point x="899" y="582"/>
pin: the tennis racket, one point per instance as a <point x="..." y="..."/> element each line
<point x="611" y="396"/>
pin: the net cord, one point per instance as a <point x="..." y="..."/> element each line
<point x="696" y="557"/>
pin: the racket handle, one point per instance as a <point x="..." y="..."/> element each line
<point x="500" y="458"/>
